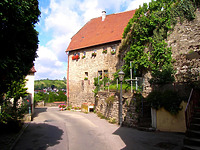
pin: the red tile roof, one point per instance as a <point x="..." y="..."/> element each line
<point x="32" y="70"/>
<point x="97" y="32"/>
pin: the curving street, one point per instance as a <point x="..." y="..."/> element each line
<point x="65" y="130"/>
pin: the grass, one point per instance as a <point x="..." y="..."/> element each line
<point x="110" y="120"/>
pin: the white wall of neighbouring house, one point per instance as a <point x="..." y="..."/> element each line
<point x="30" y="85"/>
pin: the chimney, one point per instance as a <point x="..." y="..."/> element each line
<point x="103" y="15"/>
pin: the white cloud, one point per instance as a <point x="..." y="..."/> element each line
<point x="48" y="65"/>
<point x="90" y="9"/>
<point x="136" y="3"/>
<point x="44" y="11"/>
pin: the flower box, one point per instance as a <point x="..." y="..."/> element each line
<point x="75" y="57"/>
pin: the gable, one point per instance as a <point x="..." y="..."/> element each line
<point x="97" y="32"/>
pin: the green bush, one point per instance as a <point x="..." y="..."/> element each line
<point x="169" y="100"/>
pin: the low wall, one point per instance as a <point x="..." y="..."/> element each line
<point x="43" y="104"/>
<point x="171" y="123"/>
<point x="111" y="110"/>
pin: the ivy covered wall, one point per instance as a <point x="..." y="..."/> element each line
<point x="145" y="38"/>
<point x="162" y="43"/>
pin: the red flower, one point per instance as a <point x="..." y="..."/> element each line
<point x="73" y="57"/>
<point x="77" y="57"/>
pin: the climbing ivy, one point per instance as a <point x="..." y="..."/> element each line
<point x="146" y="33"/>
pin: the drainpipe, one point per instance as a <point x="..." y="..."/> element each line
<point x="68" y="80"/>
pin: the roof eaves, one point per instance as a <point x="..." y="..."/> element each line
<point x="91" y="46"/>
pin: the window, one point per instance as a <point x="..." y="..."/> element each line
<point x="100" y="74"/>
<point x="84" y="53"/>
<point x="86" y="74"/>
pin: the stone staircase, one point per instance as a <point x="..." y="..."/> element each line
<point x="192" y="136"/>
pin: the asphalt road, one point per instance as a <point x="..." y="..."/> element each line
<point x="64" y="130"/>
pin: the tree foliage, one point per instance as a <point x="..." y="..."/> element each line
<point x="41" y="84"/>
<point x="16" y="90"/>
<point x="18" y="39"/>
<point x="50" y="97"/>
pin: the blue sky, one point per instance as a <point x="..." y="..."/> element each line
<point x="59" y="21"/>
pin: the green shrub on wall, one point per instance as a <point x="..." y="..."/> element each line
<point x="169" y="100"/>
<point x="110" y="100"/>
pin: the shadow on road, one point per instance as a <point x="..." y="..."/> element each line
<point x="39" y="136"/>
<point x="39" y="110"/>
<point x="142" y="140"/>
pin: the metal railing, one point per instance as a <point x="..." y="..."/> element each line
<point x="189" y="110"/>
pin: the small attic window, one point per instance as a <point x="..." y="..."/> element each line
<point x="113" y="48"/>
<point x="86" y="74"/>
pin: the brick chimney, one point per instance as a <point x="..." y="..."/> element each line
<point x="103" y="15"/>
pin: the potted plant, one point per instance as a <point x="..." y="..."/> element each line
<point x="94" y="54"/>
<point x="62" y="106"/>
<point x="104" y="51"/>
<point x="86" y="78"/>
<point x="83" y="56"/>
<point x="113" y="51"/>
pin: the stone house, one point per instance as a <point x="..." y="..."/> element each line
<point x="93" y="51"/>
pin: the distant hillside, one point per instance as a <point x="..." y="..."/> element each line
<point x="41" y="84"/>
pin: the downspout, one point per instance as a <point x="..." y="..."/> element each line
<point x="68" y="80"/>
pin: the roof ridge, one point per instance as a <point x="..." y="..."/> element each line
<point x="113" y="14"/>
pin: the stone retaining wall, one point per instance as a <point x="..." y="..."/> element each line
<point x="111" y="110"/>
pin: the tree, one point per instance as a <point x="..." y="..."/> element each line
<point x="18" y="39"/>
<point x="16" y="90"/>
<point x="61" y="96"/>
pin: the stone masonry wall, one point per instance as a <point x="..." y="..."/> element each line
<point x="185" y="42"/>
<point x="130" y="116"/>
<point x="80" y="90"/>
